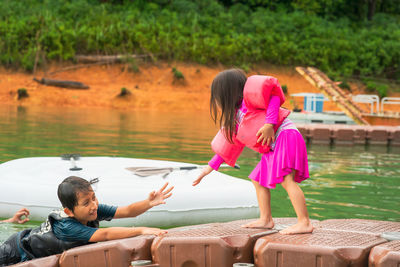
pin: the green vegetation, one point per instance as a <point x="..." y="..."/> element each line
<point x="344" y="85"/>
<point x="132" y="64"/>
<point x="342" y="38"/>
<point x="124" y="92"/>
<point x="284" y="89"/>
<point x="376" y="87"/>
<point x="177" y="74"/>
<point x="22" y="93"/>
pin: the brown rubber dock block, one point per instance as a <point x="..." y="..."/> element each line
<point x="215" y="244"/>
<point x="109" y="253"/>
<point x="377" y="135"/>
<point x="385" y="255"/>
<point x="50" y="261"/>
<point x="283" y="223"/>
<point x="342" y="134"/>
<point x="320" y="134"/>
<point x="360" y="226"/>
<point x="321" y="248"/>
<point x="360" y="134"/>
<point x="394" y="136"/>
<point x="280" y="224"/>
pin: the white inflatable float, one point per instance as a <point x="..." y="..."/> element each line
<point x="33" y="182"/>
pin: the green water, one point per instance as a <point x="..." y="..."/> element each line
<point x="346" y="182"/>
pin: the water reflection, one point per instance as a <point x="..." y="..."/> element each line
<point x="103" y="132"/>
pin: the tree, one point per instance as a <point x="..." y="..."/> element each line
<point x="371" y="8"/>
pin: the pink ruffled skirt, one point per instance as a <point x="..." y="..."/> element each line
<point x="290" y="153"/>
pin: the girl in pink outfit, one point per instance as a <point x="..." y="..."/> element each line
<point x="235" y="102"/>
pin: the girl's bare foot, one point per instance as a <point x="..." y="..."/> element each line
<point x="298" y="228"/>
<point x="260" y="224"/>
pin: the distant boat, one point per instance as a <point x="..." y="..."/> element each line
<point x="32" y="183"/>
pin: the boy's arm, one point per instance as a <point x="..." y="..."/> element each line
<point x="133" y="209"/>
<point x="112" y="233"/>
<point x="155" y="198"/>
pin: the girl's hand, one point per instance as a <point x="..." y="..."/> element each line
<point x="157" y="198"/>
<point x="266" y="134"/>
<point x="205" y="172"/>
<point x="153" y="231"/>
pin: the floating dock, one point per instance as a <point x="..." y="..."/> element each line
<point x="341" y="134"/>
<point x="339" y="242"/>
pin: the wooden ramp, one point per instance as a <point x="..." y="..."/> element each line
<point x="333" y="92"/>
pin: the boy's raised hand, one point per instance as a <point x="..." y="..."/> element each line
<point x="157" y="197"/>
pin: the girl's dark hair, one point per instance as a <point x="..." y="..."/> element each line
<point x="227" y="95"/>
<point x="68" y="191"/>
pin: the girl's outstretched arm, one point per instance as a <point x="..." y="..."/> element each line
<point x="205" y="172"/>
<point x="216" y="162"/>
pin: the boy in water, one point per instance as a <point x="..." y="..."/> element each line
<point x="77" y="223"/>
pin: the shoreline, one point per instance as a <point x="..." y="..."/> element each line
<point x="153" y="87"/>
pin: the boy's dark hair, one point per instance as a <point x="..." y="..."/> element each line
<point x="68" y="191"/>
<point x="227" y="93"/>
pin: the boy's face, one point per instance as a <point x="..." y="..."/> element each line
<point x="86" y="209"/>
